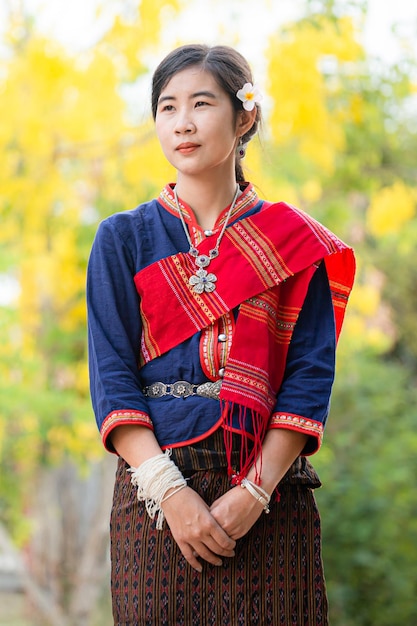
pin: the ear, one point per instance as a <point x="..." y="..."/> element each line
<point x="245" y="121"/>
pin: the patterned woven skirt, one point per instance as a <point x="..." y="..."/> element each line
<point x="275" y="578"/>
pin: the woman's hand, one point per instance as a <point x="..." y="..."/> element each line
<point x="236" y="511"/>
<point x="195" y="529"/>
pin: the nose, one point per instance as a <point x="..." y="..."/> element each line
<point x="184" y="125"/>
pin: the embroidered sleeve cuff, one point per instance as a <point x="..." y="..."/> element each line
<point x="302" y="425"/>
<point x="118" y="418"/>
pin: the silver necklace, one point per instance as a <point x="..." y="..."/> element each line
<point x="202" y="280"/>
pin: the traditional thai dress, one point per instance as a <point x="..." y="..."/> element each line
<point x="263" y="344"/>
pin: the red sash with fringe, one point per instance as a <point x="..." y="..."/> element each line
<point x="265" y="265"/>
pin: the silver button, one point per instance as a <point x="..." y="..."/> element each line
<point x="222" y="337"/>
<point x="221" y="372"/>
<point x="208" y="233"/>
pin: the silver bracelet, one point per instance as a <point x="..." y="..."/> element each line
<point x="257" y="492"/>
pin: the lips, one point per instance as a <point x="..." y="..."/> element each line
<point x="187" y="147"/>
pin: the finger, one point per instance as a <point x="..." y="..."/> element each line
<point x="222" y="539"/>
<point x="217" y="549"/>
<point x="216" y="540"/>
<point x="205" y="553"/>
<point x="212" y="536"/>
<point x="191" y="556"/>
<point x="206" y="549"/>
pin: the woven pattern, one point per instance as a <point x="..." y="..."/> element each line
<point x="275" y="578"/>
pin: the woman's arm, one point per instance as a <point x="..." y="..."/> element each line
<point x="305" y="394"/>
<point x="237" y="510"/>
<point x="114" y="331"/>
<point x="193" y="527"/>
<point x="119" y="404"/>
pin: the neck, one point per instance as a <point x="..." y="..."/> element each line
<point x="207" y="200"/>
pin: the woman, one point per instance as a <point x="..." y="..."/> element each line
<point x="213" y="319"/>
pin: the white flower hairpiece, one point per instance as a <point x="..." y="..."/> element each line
<point x="250" y="95"/>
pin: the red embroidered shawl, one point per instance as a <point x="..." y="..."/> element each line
<point x="265" y="265"/>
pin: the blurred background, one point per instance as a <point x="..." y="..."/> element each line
<point x="77" y="144"/>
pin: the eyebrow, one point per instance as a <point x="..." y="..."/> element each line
<point x="197" y="94"/>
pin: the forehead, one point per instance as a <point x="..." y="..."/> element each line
<point x="190" y="80"/>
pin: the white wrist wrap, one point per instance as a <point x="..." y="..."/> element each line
<point x="153" y="478"/>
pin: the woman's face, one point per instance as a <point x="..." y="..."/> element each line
<point x="196" y="124"/>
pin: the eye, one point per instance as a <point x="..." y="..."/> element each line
<point x="165" y="107"/>
<point x="201" y="103"/>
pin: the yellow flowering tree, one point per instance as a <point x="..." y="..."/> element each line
<point x="69" y="155"/>
<point x="305" y="69"/>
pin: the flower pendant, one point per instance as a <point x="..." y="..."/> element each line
<point x="202" y="281"/>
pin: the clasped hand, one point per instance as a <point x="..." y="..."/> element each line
<point x="210" y="532"/>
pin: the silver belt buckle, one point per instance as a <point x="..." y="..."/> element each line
<point x="210" y="390"/>
<point x="156" y="390"/>
<point x="181" y="389"/>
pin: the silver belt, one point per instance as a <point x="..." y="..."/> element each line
<point x="183" y="389"/>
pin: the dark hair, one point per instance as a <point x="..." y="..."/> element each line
<point x="229" y="68"/>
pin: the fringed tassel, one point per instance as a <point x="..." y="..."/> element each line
<point x="247" y="459"/>
<point x="227" y="410"/>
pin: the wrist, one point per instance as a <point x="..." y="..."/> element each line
<point x="266" y="481"/>
<point x="257" y="492"/>
<point x="157" y="479"/>
<point x="171" y="492"/>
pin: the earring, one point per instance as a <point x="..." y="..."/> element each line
<point x="240" y="149"/>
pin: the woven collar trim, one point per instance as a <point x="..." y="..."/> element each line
<point x="247" y="200"/>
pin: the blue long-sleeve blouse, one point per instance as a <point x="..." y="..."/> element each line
<point x="127" y="242"/>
